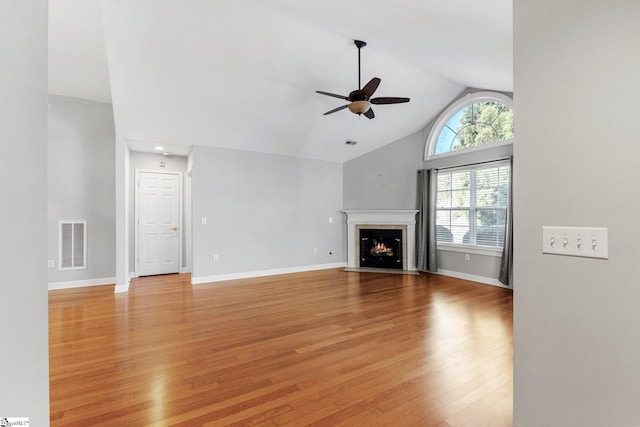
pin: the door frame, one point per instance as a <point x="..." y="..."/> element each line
<point x="136" y="219"/>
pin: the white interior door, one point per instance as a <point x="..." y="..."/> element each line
<point x="158" y="223"/>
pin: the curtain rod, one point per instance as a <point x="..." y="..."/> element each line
<point x="466" y="165"/>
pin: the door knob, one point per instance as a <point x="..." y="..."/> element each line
<point x="174" y="228"/>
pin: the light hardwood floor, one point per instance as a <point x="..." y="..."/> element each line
<point x="323" y="348"/>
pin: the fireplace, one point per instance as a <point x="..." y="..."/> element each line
<point x="380" y="248"/>
<point x="391" y="223"/>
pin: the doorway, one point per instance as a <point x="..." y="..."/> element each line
<point x="158" y="222"/>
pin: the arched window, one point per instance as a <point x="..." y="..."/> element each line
<point x="475" y="120"/>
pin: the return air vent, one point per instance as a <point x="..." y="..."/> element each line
<point x="72" y="245"/>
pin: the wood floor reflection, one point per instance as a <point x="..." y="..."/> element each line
<point x="323" y="348"/>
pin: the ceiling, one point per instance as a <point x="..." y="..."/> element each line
<point x="242" y="74"/>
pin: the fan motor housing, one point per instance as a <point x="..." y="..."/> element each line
<point x="357" y="95"/>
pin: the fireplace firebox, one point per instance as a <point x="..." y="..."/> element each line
<point x="380" y="248"/>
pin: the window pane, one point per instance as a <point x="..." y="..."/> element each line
<point x="444" y="190"/>
<point x="490" y="226"/>
<point x="452" y="226"/>
<point x="492" y="186"/>
<point x="444" y="181"/>
<point x="444" y="199"/>
<point x="459" y="225"/>
<point x="504" y="124"/>
<point x="444" y="234"/>
<point x="460" y="234"/>
<point x="490" y="237"/>
<point x="503" y="186"/>
<point x="472" y="205"/>
<point x="445" y="140"/>
<point x="489" y="217"/>
<point x="456" y="121"/>
<point x="460" y="198"/>
<point x="479" y="123"/>
<point x="443" y="218"/>
<point x="473" y="135"/>
<point x="460" y="179"/>
<point x="453" y="190"/>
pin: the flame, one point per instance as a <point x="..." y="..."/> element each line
<point x="381" y="249"/>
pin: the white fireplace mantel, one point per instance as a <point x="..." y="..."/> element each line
<point x="381" y="217"/>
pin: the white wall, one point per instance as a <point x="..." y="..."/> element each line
<point x="81" y="184"/>
<point x="24" y="373"/>
<point x="577" y="344"/>
<point x="264" y="212"/>
<point x="123" y="211"/>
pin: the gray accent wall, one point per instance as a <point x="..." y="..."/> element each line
<point x="576" y="339"/>
<point x="81" y="182"/>
<point x="387" y="179"/>
<point x="24" y="364"/>
<point x="264" y="212"/>
<point x="478" y="265"/>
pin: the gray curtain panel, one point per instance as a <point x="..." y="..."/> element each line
<point x="426" y="230"/>
<point x="506" y="264"/>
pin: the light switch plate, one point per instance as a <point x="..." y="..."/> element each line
<point x="589" y="242"/>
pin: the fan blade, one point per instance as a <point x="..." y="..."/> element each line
<point x="371" y="87"/>
<point x="388" y="100"/>
<point x="369" y="113"/>
<point x="332" y="94"/>
<point x="342" y="107"/>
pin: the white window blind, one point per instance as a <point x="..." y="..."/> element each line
<point x="72" y="241"/>
<point x="472" y="204"/>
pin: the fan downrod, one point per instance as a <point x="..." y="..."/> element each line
<point x="360" y="45"/>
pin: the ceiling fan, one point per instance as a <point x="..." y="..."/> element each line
<point x="360" y="99"/>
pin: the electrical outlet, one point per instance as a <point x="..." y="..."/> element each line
<point x="216" y="258"/>
<point x="466" y="257"/>
<point x="204" y="220"/>
<point x="315" y="251"/>
<point x="589" y="242"/>
<point x="50" y="264"/>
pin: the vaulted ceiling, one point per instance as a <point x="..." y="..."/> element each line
<point x="242" y="74"/>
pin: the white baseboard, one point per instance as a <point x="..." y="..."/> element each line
<point x="124" y="288"/>
<point x="472" y="277"/>
<point x="261" y="273"/>
<point x="81" y="283"/>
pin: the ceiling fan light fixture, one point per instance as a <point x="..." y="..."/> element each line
<point x="360" y="100"/>
<point x="359" y="107"/>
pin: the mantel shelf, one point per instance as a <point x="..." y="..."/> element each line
<point x="391" y="216"/>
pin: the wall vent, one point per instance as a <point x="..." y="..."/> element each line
<point x="72" y="245"/>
